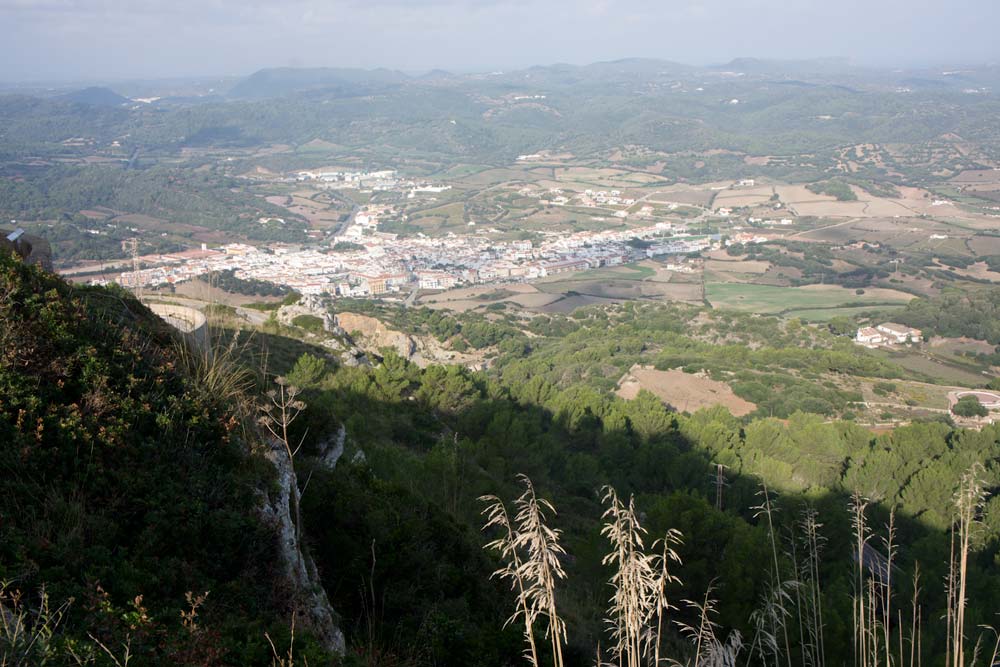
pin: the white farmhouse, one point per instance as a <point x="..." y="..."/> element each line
<point x="899" y="333"/>
<point x="869" y="336"/>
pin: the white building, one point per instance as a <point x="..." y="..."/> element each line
<point x="868" y="336"/>
<point x="888" y="333"/>
<point x="899" y="333"/>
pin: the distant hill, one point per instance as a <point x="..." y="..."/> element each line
<point x="763" y="65"/>
<point x="96" y="96"/>
<point x="437" y="75"/>
<point x="639" y="66"/>
<point x="282" y="81"/>
<point x="614" y="70"/>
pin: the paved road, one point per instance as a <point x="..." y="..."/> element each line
<point x="254" y="317"/>
<point x="869" y="404"/>
<point x="412" y="298"/>
<point x="819" y="229"/>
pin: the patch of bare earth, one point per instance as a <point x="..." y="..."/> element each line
<point x="684" y="391"/>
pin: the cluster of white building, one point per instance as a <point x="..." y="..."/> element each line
<point x="746" y="237"/>
<point x="355" y="178"/>
<point x="888" y="333"/>
<point x="381" y="180"/>
<point x="385" y="263"/>
<point x="595" y="198"/>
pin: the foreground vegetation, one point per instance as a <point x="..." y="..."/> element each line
<point x="130" y="492"/>
<point x="441" y="437"/>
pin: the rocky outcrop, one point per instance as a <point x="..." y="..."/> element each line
<point x="372" y="335"/>
<point x="331" y="449"/>
<point x="309" y="304"/>
<point x="278" y="510"/>
<point x="34" y="250"/>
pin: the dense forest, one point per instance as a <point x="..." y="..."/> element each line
<point x="170" y="195"/>
<point x="443" y="436"/>
<point x="957" y="313"/>
<point x="227" y="280"/>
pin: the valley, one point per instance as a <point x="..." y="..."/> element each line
<point x="758" y="302"/>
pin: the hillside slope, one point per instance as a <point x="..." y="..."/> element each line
<point x="126" y="485"/>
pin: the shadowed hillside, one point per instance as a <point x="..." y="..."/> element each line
<point x="131" y="486"/>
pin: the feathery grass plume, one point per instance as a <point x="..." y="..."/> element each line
<point x="811" y="617"/>
<point x="497" y="516"/>
<point x="219" y="366"/>
<point x="872" y="612"/>
<point x="769" y="619"/>
<point x="541" y="567"/>
<point x="767" y="510"/>
<point x="709" y="650"/>
<point x="664" y="578"/>
<point x="886" y="587"/>
<point x="862" y="534"/>
<point x="635" y="581"/>
<point x="969" y="500"/>
<point x="915" y="612"/>
<point x="792" y="554"/>
<point x="995" y="655"/>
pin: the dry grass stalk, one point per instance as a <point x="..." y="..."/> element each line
<point x="497" y="516"/>
<point x="768" y="620"/>
<point x="915" y="619"/>
<point x="541" y="567"/>
<point x="995" y="655"/>
<point x="859" y="506"/>
<point x="286" y="659"/>
<point x="665" y="578"/>
<point x="639" y="583"/>
<point x="812" y="616"/>
<point x="633" y="581"/>
<point x="277" y="414"/>
<point x="709" y="650"/>
<point x="969" y="500"/>
<point x="766" y="509"/>
<point x="531" y="553"/>
<point x="872" y="612"/>
<point x="886" y="587"/>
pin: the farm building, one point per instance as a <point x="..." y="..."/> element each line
<point x="899" y="333"/>
<point x="869" y="336"/>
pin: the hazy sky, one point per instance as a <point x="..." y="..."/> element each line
<point x="106" y="39"/>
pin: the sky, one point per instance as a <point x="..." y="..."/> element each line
<point x="93" y="40"/>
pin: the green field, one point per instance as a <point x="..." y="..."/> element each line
<point x="772" y="300"/>
<point x="625" y="272"/>
<point x="461" y="171"/>
<point x="934" y="368"/>
<point x="445" y="217"/>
